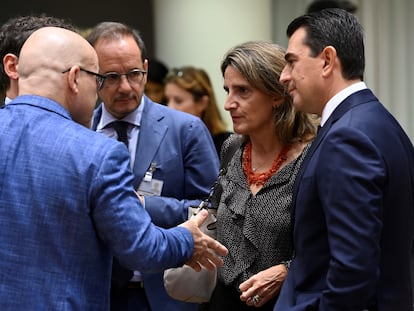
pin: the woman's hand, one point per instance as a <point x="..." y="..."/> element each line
<point x="263" y="286"/>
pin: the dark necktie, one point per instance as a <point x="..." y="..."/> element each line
<point x="121" y="128"/>
<point x="120" y="275"/>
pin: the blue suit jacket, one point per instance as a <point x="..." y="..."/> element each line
<point x="67" y="205"/>
<point x="187" y="163"/>
<point x="353" y="214"/>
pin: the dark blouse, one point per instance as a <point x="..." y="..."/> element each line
<point x="219" y="139"/>
<point x="256" y="229"/>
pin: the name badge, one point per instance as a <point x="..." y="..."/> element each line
<point x="150" y="185"/>
<point x="153" y="187"/>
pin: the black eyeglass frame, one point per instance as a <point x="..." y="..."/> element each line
<point x="100" y="79"/>
<point x="119" y="75"/>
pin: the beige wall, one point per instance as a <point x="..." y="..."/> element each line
<point x="389" y="44"/>
<point x="199" y="32"/>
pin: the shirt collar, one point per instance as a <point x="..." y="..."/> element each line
<point x="339" y="98"/>
<point x="134" y="117"/>
<point x="7" y="100"/>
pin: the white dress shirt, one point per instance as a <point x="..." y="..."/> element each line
<point x="134" y="118"/>
<point x="339" y="98"/>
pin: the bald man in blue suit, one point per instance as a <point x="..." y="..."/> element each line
<point x="67" y="202"/>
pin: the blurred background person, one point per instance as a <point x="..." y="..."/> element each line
<point x="154" y="88"/>
<point x="254" y="208"/>
<point x="189" y="89"/>
<point x="13" y="33"/>
<point x="84" y="32"/>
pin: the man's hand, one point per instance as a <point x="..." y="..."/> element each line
<point x="207" y="251"/>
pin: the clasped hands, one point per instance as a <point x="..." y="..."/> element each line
<point x="207" y="251"/>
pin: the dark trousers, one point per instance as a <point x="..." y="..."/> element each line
<point x="129" y="298"/>
<point x="126" y="296"/>
<point x="227" y="297"/>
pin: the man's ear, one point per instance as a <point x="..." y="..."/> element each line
<point x="72" y="77"/>
<point x="10" y="62"/>
<point x="329" y="56"/>
<point x="146" y="68"/>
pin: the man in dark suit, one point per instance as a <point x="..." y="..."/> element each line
<point x="173" y="158"/>
<point x="353" y="202"/>
<point x="67" y="203"/>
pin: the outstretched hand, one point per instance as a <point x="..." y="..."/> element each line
<point x="207" y="251"/>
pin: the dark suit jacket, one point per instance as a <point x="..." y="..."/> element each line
<point x="354" y="214"/>
<point x="187" y="163"/>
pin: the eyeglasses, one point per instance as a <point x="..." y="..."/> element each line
<point x="134" y="76"/>
<point x="100" y="79"/>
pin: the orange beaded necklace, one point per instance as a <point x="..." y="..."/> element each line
<point x="259" y="179"/>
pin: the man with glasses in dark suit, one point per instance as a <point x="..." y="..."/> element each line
<point x="172" y="154"/>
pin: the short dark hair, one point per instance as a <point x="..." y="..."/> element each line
<point x="14" y="33"/>
<point x="115" y="30"/>
<point x="339" y="29"/>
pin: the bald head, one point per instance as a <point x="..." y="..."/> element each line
<point x="51" y="50"/>
<point x="50" y="65"/>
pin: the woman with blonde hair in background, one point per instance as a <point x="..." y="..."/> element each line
<point x="189" y="89"/>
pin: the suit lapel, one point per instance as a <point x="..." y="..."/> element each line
<point x="151" y="134"/>
<point x="351" y="101"/>
<point x="96" y="117"/>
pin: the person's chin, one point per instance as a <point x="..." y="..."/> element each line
<point x="292" y="92"/>
<point x="296" y="101"/>
<point x="126" y="104"/>
<point x="298" y="105"/>
<point x="241" y="130"/>
<point x="123" y="108"/>
<point x="125" y="101"/>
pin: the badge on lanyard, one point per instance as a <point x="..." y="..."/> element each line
<point x="150" y="185"/>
